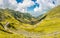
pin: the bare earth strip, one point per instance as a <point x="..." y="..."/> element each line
<point x="29" y="34"/>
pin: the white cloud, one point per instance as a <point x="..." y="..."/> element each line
<point x="23" y="6"/>
<point x="58" y="2"/>
<point x="1" y="3"/>
<point x="12" y="4"/>
<point x="7" y="4"/>
<point x="38" y="9"/>
<point x="13" y="1"/>
<point x="46" y="4"/>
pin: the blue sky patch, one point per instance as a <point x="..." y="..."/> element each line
<point x="34" y="0"/>
<point x="19" y="1"/>
<point x="32" y="7"/>
<point x="35" y="7"/>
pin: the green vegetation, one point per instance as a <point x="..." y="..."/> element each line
<point x="11" y="23"/>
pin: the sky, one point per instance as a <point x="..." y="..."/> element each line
<point x="34" y="7"/>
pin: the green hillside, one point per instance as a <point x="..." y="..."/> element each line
<point x="51" y="23"/>
<point x="14" y="24"/>
<point x="13" y="20"/>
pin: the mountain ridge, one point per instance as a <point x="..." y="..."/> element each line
<point x="48" y="23"/>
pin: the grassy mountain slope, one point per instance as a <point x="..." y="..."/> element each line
<point x="15" y="19"/>
<point x="51" y="23"/>
<point x="48" y="23"/>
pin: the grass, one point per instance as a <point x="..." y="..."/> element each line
<point x="50" y="24"/>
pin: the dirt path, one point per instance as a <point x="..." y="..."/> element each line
<point x="33" y="35"/>
<point x="29" y="34"/>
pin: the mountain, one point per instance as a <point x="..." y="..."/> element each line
<point x="22" y="17"/>
<point x="14" y="24"/>
<point x="51" y="23"/>
<point x="13" y="20"/>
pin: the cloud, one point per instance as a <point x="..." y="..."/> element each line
<point x="23" y="6"/>
<point x="7" y="4"/>
<point x="12" y="4"/>
<point x="38" y="9"/>
<point x="1" y="3"/>
<point x="45" y="5"/>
